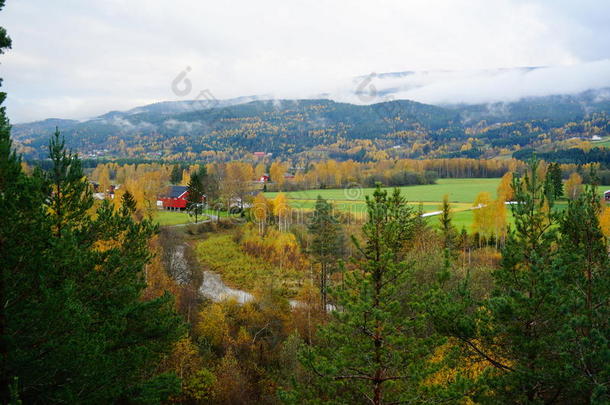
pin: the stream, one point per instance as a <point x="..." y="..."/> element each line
<point x="212" y="286"/>
<point x="215" y="289"/>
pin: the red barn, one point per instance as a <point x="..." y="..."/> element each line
<point x="175" y="198"/>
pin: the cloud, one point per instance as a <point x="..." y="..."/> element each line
<point x="479" y="86"/>
<point x="183" y="126"/>
<point x="75" y="59"/>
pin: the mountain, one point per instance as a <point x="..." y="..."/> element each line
<point x="235" y="128"/>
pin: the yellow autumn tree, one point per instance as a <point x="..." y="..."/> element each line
<point x="213" y="326"/>
<point x="281" y="211"/>
<point x="604" y="220"/>
<point x="499" y="215"/>
<point x="237" y="182"/>
<point x="26" y="168"/>
<point x="482" y="212"/>
<point x="259" y="170"/>
<point x="261" y="211"/>
<point x="186" y="177"/>
<point x="231" y="382"/>
<point x="277" y="172"/>
<point x="573" y="186"/>
<point x="196" y="381"/>
<point x="505" y="189"/>
<point x="103" y="179"/>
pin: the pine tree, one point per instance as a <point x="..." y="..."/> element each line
<point x="17" y="196"/>
<point x="373" y="348"/>
<point x="71" y="196"/>
<point x="554" y="181"/>
<point x="327" y="244"/>
<point x="524" y="317"/>
<point x="195" y="196"/>
<point x="128" y="201"/>
<point x="526" y="329"/>
<point x="583" y="269"/>
<point x="76" y="327"/>
<point x="449" y="234"/>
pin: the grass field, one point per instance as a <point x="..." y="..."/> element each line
<point x="605" y="141"/>
<point x="165" y="218"/>
<point x="459" y="191"/>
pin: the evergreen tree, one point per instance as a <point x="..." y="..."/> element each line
<point x="195" y="195"/>
<point x="523" y="317"/>
<point x="71" y="196"/>
<point x="128" y="201"/>
<point x="554" y="181"/>
<point x="545" y="327"/>
<point x="17" y="194"/>
<point x="76" y="329"/>
<point x="449" y="235"/>
<point x="374" y="347"/>
<point x="327" y="244"/>
<point x="176" y="174"/>
<point x="583" y="269"/>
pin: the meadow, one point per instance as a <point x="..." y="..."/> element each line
<point x="168" y="218"/>
<point x="461" y="192"/>
<point x="428" y="198"/>
<point x="458" y="190"/>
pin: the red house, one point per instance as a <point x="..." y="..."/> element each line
<point x="175" y="198"/>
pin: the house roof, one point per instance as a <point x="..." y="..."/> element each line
<point x="175" y="191"/>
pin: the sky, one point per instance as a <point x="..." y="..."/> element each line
<point x="81" y="58"/>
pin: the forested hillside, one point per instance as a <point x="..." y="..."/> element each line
<point x="326" y="129"/>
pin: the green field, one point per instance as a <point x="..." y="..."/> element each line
<point x="459" y="191"/>
<point x="165" y="218"/>
<point x="605" y="142"/>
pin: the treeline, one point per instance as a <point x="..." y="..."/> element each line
<point x="237" y="179"/>
<point x="572" y="155"/>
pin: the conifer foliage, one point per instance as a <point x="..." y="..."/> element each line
<point x="544" y="330"/>
<point x="328" y="243"/>
<point x="372" y="349"/>
<point x="195" y="194"/>
<point x="76" y="328"/>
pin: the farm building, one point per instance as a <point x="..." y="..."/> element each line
<point x="174" y="198"/>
